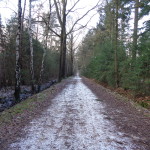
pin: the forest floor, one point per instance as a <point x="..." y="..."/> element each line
<point x="140" y="98"/>
<point x="76" y="114"/>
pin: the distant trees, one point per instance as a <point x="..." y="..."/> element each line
<point x="38" y="47"/>
<point x="71" y="54"/>
<point x="108" y="54"/>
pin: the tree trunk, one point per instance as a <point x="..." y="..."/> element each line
<point x="116" y="47"/>
<point x="135" y="36"/>
<point x="31" y="49"/>
<point x="64" y="56"/>
<point x="18" y="46"/>
<point x="71" y="54"/>
<point x="42" y="65"/>
<point x="63" y="37"/>
<point x="62" y="15"/>
<point x="62" y="60"/>
<point x="21" y="38"/>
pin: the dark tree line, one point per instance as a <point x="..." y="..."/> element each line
<point x="22" y="53"/>
<point x="36" y="47"/>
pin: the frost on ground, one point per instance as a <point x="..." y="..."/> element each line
<point x="76" y="120"/>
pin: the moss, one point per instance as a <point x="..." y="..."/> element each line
<point x="144" y="104"/>
<point x="99" y="99"/>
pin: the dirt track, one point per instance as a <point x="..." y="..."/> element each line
<point x="81" y="119"/>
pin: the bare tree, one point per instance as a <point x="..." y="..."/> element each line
<point x="2" y="56"/>
<point x="21" y="38"/>
<point x="18" y="47"/>
<point x="62" y="21"/>
<point x="62" y="13"/>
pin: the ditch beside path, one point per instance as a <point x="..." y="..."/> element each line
<point x="86" y="116"/>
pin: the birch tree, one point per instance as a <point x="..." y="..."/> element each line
<point x="18" y="47"/>
<point x="31" y="48"/>
<point x="22" y="29"/>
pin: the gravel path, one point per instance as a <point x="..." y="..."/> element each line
<point x="75" y="120"/>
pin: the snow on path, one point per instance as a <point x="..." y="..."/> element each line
<point x="74" y="121"/>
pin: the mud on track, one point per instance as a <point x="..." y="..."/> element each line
<point x="75" y="120"/>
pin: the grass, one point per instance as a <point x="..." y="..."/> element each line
<point x="144" y="104"/>
<point x="127" y="96"/>
<point x="26" y="105"/>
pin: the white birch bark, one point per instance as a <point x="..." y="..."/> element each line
<point x="18" y="46"/>
<point x="31" y="48"/>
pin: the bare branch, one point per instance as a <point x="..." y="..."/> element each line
<point x="10" y="9"/>
<point x="54" y="32"/>
<point x="49" y="28"/>
<point x="52" y="35"/>
<point x="82" y="18"/>
<point x="76" y="9"/>
<point x="72" y="7"/>
<point x="77" y="36"/>
<point x="58" y="14"/>
<point x="83" y="26"/>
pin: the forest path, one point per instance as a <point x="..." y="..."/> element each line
<point x="76" y="120"/>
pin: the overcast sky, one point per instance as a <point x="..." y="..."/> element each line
<point x="9" y="7"/>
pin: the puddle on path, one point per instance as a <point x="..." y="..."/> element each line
<point x="76" y="120"/>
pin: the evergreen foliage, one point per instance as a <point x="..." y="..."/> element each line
<point x="96" y="53"/>
<point x="7" y="58"/>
